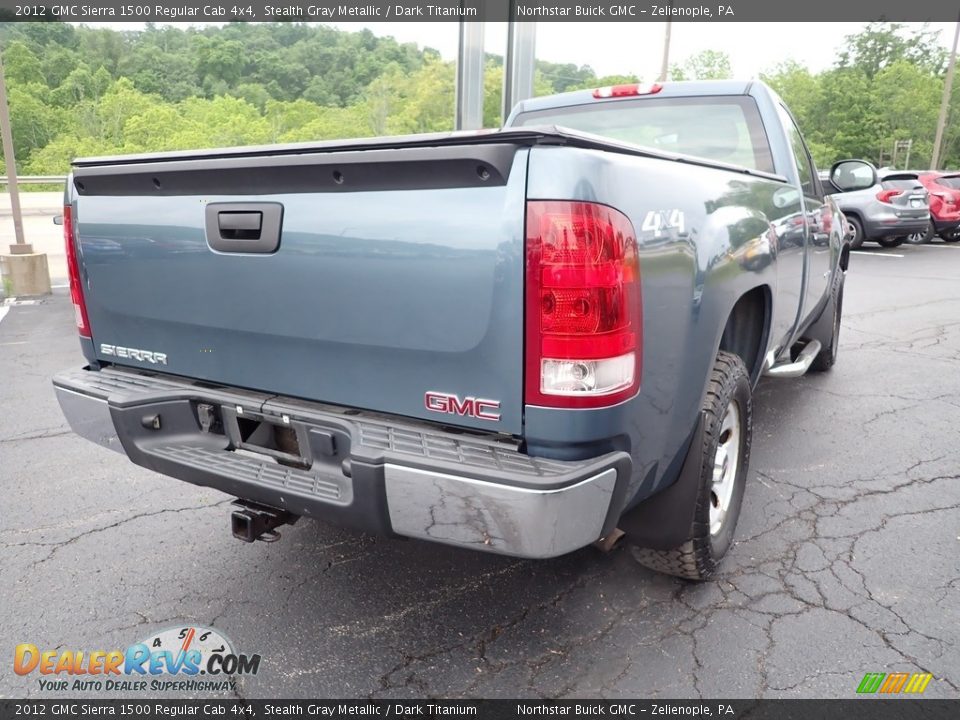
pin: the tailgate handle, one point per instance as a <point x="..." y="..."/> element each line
<point x="244" y="227"/>
<point x="240" y="225"/>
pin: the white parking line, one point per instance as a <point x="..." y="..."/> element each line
<point x="3" y="311"/>
<point x="874" y="254"/>
<point x="938" y="247"/>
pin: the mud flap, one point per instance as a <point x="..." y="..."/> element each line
<point x="663" y="522"/>
<point x="822" y="328"/>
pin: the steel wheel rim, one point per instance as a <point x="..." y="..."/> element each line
<point x="726" y="466"/>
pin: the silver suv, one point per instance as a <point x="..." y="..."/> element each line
<point x="885" y="208"/>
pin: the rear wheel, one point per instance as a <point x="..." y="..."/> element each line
<point x="856" y="232"/>
<point x="950" y="235"/>
<point x="890" y="242"/>
<point x="725" y="455"/>
<point x="921" y="237"/>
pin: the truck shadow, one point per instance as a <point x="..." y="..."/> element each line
<point x="447" y="621"/>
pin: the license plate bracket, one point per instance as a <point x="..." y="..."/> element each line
<point x="273" y="436"/>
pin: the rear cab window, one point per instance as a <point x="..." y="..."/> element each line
<point x="724" y="128"/>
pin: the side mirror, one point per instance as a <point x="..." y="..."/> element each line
<point x="849" y="175"/>
<point x="786" y="197"/>
<point x="58" y="219"/>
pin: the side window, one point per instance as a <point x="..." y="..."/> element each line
<point x="804" y="166"/>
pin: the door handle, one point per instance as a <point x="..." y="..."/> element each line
<point x="244" y="227"/>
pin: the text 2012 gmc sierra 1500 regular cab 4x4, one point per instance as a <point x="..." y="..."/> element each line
<point x="517" y="341"/>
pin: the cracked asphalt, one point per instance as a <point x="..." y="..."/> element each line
<point x="846" y="558"/>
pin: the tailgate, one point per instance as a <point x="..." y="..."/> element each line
<point x="394" y="273"/>
<point x="907" y="195"/>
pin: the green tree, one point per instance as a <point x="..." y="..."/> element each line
<point x="705" y="65"/>
<point x="803" y="92"/>
<point x="21" y="65"/>
<point x="906" y="101"/>
<point x="883" y="43"/>
<point x="33" y="120"/>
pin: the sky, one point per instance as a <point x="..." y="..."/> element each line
<point x="637" y="47"/>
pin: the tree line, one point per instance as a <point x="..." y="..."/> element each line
<point x="80" y="91"/>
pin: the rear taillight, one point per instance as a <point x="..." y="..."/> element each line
<point x="885" y="195"/>
<point x="73" y="268"/>
<point x="583" y="305"/>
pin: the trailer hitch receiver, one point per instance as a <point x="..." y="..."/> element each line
<point x="251" y="521"/>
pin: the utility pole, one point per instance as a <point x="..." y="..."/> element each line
<point x="11" y="161"/>
<point x="945" y="102"/>
<point x="665" y="63"/>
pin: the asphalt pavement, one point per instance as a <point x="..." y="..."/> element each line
<point x="846" y="559"/>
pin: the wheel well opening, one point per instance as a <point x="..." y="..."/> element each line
<point x="747" y="328"/>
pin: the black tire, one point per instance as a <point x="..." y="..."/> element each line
<point x="921" y="238"/>
<point x="891" y="242"/>
<point x="857" y="239"/>
<point x="950" y="236"/>
<point x="698" y="557"/>
<point x="827" y="328"/>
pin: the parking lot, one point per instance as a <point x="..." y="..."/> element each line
<point x="846" y="559"/>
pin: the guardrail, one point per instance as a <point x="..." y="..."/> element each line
<point x="36" y="179"/>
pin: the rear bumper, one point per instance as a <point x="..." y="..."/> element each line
<point x="363" y="470"/>
<point x="891" y="226"/>
<point x="944" y="225"/>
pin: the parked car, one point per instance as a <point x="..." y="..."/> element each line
<point x="944" y="191"/>
<point x="883" y="209"/>
<point x="515" y="341"/>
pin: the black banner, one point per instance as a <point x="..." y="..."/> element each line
<point x="240" y="709"/>
<point x="476" y="10"/>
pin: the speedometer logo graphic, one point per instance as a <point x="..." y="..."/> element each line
<point x="191" y="638"/>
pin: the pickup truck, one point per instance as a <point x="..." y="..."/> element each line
<point x="522" y="341"/>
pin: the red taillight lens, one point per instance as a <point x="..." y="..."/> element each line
<point x="583" y="306"/>
<point x="73" y="268"/>
<point x="885" y="195"/>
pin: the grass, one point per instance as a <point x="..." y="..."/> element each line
<point x="45" y="187"/>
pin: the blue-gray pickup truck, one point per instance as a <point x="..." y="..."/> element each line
<point x="523" y="341"/>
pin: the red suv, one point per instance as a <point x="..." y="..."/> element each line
<point x="944" y="189"/>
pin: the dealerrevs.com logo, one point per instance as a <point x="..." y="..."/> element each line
<point x="192" y="658"/>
